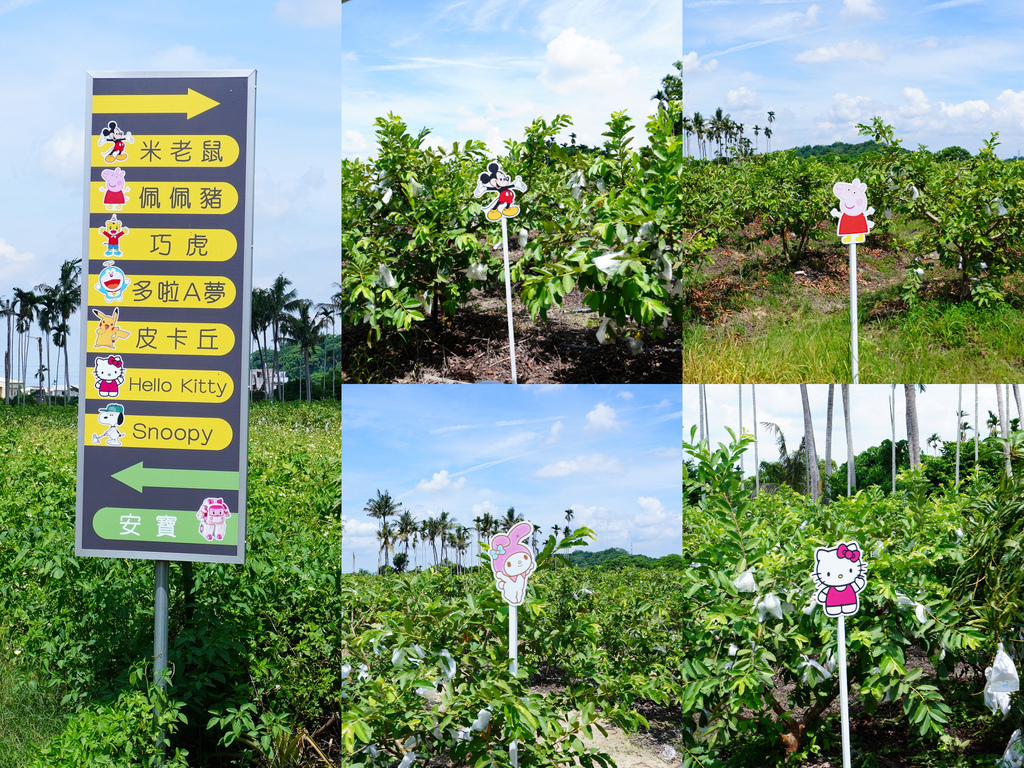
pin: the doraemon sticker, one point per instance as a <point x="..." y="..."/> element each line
<point x="853" y="211"/>
<point x="512" y="561"/>
<point x="109" y="373"/>
<point x="840" y="574"/>
<point x="113" y="189"/>
<point x="112" y="282"/>
<point x="110" y="416"/>
<point x="112" y="231"/>
<point x="496" y="180"/>
<point x="118" y="137"/>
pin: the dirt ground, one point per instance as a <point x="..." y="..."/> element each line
<point x="473" y="347"/>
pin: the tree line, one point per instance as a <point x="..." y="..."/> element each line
<point x="47" y="309"/>
<point x="443" y="529"/>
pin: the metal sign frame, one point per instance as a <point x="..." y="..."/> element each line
<point x="196" y="470"/>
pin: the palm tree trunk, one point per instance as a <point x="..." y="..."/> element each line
<point x="1003" y="407"/>
<point x="739" y="389"/>
<point x="309" y="381"/>
<point x="892" y="419"/>
<point x="828" y="440"/>
<point x="813" y="477"/>
<point x="851" y="471"/>
<point x="959" y="416"/>
<point x="975" y="426"/>
<point x="757" y="462"/>
<point x="913" y="434"/>
<point x="67" y="375"/>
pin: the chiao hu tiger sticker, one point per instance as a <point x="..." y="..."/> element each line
<point x="512" y="562"/>
<point x="840" y="574"/>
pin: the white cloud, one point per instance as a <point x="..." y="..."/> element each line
<point x="11" y="258"/>
<point x="353" y="141"/>
<point x="556" y="432"/>
<point x="846" y="108"/>
<point x="594" y="463"/>
<point x="625" y="395"/>
<point x="855" y="50"/>
<point x="1012" y="109"/>
<point x="576" y="63"/>
<point x="971" y="110"/>
<point x="309" y="13"/>
<point x="601" y="418"/>
<point x="692" y="64"/>
<point x="188" y="57"/>
<point x="653" y="511"/>
<point x="860" y="9"/>
<point x="358" y="527"/>
<point x="918" y="103"/>
<point x="487" y="507"/>
<point x="63" y="154"/>
<point x="441" y="481"/>
<point x="743" y="98"/>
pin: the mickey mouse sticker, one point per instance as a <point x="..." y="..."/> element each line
<point x="496" y="180"/>
<point x="512" y="562"/>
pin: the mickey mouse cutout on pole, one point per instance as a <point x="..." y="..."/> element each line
<point x="513" y="562"/>
<point x="502" y="207"/>
<point x="840" y="575"/>
<point x="852" y="227"/>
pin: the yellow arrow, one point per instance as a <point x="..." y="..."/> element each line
<point x="192" y="103"/>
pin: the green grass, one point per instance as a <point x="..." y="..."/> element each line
<point x="29" y="714"/>
<point x="938" y="342"/>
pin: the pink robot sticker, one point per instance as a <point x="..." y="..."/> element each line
<point x="213" y="519"/>
<point x="853" y="211"/>
<point x="512" y="562"/>
<point x="840" y="574"/>
<point x="496" y="180"/>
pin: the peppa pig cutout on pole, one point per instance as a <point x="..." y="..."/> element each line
<point x="840" y="574"/>
<point x="502" y="207"/>
<point x="853" y="225"/>
<point x="513" y="562"/>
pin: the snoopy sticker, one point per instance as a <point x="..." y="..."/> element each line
<point x="109" y="373"/>
<point x="839" y="572"/>
<point x="496" y="180"/>
<point x="111" y="282"/>
<point x="111" y="416"/>
<point x="118" y="137"/>
<point x="512" y="562"/>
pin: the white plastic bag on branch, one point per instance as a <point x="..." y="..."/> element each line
<point x="608" y="262"/>
<point x="524" y="237"/>
<point x="635" y="346"/>
<point x="1013" y="756"/>
<point x="1003" y="678"/>
<point x="745" y="581"/>
<point x="769" y="604"/>
<point x="387" y="196"/>
<point x="476" y="272"/>
<point x="386" y="278"/>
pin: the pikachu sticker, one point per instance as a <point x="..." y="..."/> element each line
<point x="108" y="332"/>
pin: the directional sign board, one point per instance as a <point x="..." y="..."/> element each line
<point x="163" y="411"/>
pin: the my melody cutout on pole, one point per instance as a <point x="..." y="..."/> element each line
<point x="853" y="225"/>
<point x="513" y="562"/>
<point x="840" y="575"/>
<point x="502" y="207"/>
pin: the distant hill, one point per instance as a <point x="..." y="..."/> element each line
<point x="838" y="148"/>
<point x="616" y="557"/>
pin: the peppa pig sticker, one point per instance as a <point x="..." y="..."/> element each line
<point x="853" y="211"/>
<point x="113" y="189"/>
<point x="512" y="562"/>
<point x="839" y="572"/>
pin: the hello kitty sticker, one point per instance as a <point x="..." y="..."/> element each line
<point x="853" y="211"/>
<point x="840" y="574"/>
<point x="512" y="562"/>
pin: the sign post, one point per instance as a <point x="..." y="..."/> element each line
<point x="502" y="207"/>
<point x="163" y="390"/>
<point x="513" y="562"/>
<point x="840" y="574"/>
<point x="852" y="227"/>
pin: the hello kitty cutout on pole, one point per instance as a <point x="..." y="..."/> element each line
<point x="840" y="575"/>
<point x="852" y="227"/>
<point x="502" y="207"/>
<point x="513" y="562"/>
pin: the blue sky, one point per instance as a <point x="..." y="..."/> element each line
<point x="869" y="414"/>
<point x="944" y="73"/>
<point x="487" y="68"/>
<point x="611" y="453"/>
<point x="46" y="48"/>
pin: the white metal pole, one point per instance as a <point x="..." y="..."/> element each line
<point x="508" y="299"/>
<point x="513" y="651"/>
<point x="844" y="702"/>
<point x="854" y="358"/>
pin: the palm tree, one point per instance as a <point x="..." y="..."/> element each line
<point x="7" y="309"/>
<point x="828" y="439"/>
<point x="687" y="130"/>
<point x="382" y="506"/>
<point x="851" y="470"/>
<point x="47" y="318"/>
<point x="1003" y="432"/>
<point x="27" y="302"/>
<point x="462" y="542"/>
<point x="431" y="529"/>
<point x="791" y="468"/>
<point x="445" y="523"/>
<point x="386" y="537"/>
<point x="406" y="529"/>
<point x="305" y="330"/>
<point x="913" y="433"/>
<point x="757" y="462"/>
<point x="510" y="519"/>
<point x="261" y="317"/>
<point x="68" y="297"/>
<point x="757" y="132"/>
<point x="699" y="128"/>
<point x="768" y="130"/>
<point x="282" y="301"/>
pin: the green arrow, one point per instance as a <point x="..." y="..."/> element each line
<point x="138" y="477"/>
